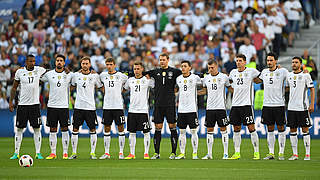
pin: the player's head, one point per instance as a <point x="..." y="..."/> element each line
<point x="212" y="67"/>
<point x="60" y="61"/>
<point x="272" y="60"/>
<point x="138" y="69"/>
<point x="164" y="60"/>
<point x="110" y="64"/>
<point x="296" y="63"/>
<point x="30" y="62"/>
<point x="241" y="61"/>
<point x="85" y="63"/>
<point x="185" y="67"/>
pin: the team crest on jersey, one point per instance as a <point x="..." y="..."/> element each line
<point x="185" y="81"/>
<point x="138" y="81"/>
<point x="111" y="77"/>
<point x="59" y="77"/>
<point x="271" y="74"/>
<point x="84" y="78"/>
<point x="214" y="80"/>
<point x="30" y="73"/>
<point x="240" y="75"/>
<point x="294" y="77"/>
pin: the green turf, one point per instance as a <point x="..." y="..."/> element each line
<point x="84" y="168"/>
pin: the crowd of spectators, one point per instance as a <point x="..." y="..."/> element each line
<point x="130" y="30"/>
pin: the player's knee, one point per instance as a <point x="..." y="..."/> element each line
<point x="93" y="130"/>
<point x="193" y="131"/>
<point x="107" y="128"/>
<point x="182" y="131"/>
<point x="223" y="131"/>
<point x="75" y="130"/>
<point x="20" y="130"/>
<point x="251" y="128"/>
<point x="64" y="129"/>
<point x="305" y="130"/>
<point x="236" y="128"/>
<point x="210" y="129"/>
<point x="270" y="128"/>
<point x="53" y="129"/>
<point x="172" y="125"/>
<point x="293" y="130"/>
<point x="159" y="127"/>
<point x="281" y="128"/>
<point x="36" y="130"/>
<point x="120" y="128"/>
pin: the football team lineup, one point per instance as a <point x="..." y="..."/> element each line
<point x="165" y="81"/>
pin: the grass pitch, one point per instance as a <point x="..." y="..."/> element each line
<point x="84" y="168"/>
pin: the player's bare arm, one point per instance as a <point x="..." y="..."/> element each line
<point x="13" y="94"/>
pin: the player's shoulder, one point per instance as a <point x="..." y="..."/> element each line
<point x="223" y="75"/>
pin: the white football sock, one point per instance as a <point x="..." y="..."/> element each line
<point x="271" y="138"/>
<point x="210" y="141"/>
<point x="18" y="140"/>
<point x="37" y="139"/>
<point x="225" y="141"/>
<point x="306" y="141"/>
<point x="237" y="141"/>
<point x="182" y="140"/>
<point x="132" y="143"/>
<point x="107" y="139"/>
<point x="255" y="141"/>
<point x="74" y="141"/>
<point x="146" y="140"/>
<point x="53" y="142"/>
<point x="194" y="140"/>
<point x="282" y="141"/>
<point x="122" y="140"/>
<point x="65" y="141"/>
<point x="93" y="141"/>
<point x="294" y="142"/>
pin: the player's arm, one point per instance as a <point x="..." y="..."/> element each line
<point x="202" y="91"/>
<point x="13" y="94"/>
<point x="312" y="96"/>
<point x="257" y="80"/>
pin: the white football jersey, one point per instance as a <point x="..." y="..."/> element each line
<point x="85" y="85"/>
<point x="274" y="86"/>
<point x="58" y="88"/>
<point x="188" y="93"/>
<point x="139" y="94"/>
<point x="242" y="83"/>
<point x="113" y="84"/>
<point x="299" y="84"/>
<point x="216" y="90"/>
<point x="29" y="85"/>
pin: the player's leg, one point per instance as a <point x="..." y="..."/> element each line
<point x="158" y="118"/>
<point x="193" y="123"/>
<point x="306" y="142"/>
<point x="293" y="124"/>
<point x="281" y="122"/>
<point x="35" y="122"/>
<point x="132" y="128"/>
<point x="144" y="125"/>
<point x="249" y="122"/>
<point x="223" y="122"/>
<point x="171" y="119"/>
<point x="118" y="115"/>
<point x="107" y="121"/>
<point x="52" y="122"/>
<point x="78" y="120"/>
<point x="209" y="123"/>
<point x="305" y="124"/>
<point x="235" y="120"/>
<point x="182" y="137"/>
<point x="21" y="123"/>
<point x="91" y="120"/>
<point x="64" y="123"/>
<point x="271" y="141"/>
<point x="268" y="118"/>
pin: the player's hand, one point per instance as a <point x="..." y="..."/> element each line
<point x="311" y="108"/>
<point x="147" y="76"/>
<point x="93" y="71"/>
<point x="67" y="70"/>
<point x="305" y="70"/>
<point x="11" y="107"/>
<point x="279" y="66"/>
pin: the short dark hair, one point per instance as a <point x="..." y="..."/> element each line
<point x="164" y="54"/>
<point x="61" y="56"/>
<point x="85" y="58"/>
<point x="274" y="55"/>
<point x="185" y="61"/>
<point x="212" y="61"/>
<point x="110" y="59"/>
<point x="241" y="56"/>
<point x="30" y="56"/>
<point x="297" y="57"/>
